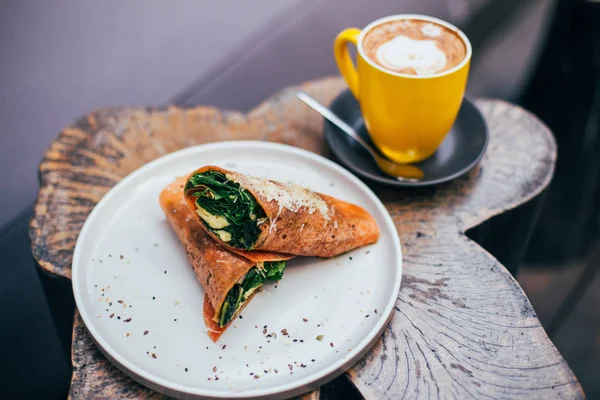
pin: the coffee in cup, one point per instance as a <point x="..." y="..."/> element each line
<point x="414" y="47"/>
<point x="410" y="80"/>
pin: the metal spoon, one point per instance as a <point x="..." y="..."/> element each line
<point x="402" y="172"/>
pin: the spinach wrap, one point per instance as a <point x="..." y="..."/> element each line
<point x="249" y="214"/>
<point x="229" y="280"/>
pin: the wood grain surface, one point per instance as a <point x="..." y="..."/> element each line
<point x="463" y="328"/>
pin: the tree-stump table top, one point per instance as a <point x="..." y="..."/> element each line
<point x="463" y="328"/>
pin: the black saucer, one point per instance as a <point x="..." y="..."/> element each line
<point x="459" y="152"/>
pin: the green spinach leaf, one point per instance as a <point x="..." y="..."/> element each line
<point x="222" y="197"/>
<point x="273" y="271"/>
<point x="231" y="304"/>
<point x="254" y="278"/>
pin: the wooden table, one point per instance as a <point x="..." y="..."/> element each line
<point x="462" y="328"/>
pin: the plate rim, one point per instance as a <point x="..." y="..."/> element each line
<point x="329" y="129"/>
<point x="292" y="388"/>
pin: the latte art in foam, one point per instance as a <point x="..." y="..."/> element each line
<point x="414" y="47"/>
<point x="422" y="56"/>
<point x="431" y="30"/>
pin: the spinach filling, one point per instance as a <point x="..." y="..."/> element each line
<point x="227" y="209"/>
<point x="239" y="293"/>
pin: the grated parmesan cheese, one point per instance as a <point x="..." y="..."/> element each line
<point x="260" y="265"/>
<point x="291" y="197"/>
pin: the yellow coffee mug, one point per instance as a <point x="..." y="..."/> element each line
<point x="407" y="116"/>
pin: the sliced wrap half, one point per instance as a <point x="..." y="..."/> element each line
<point x="247" y="214"/>
<point x="229" y="280"/>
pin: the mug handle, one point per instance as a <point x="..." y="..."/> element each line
<point x="343" y="59"/>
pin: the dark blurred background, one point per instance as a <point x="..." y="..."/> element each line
<point x="62" y="59"/>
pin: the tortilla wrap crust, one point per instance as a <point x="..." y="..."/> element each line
<point x="300" y="222"/>
<point x="216" y="268"/>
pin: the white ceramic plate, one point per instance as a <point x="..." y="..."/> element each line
<point x="127" y="255"/>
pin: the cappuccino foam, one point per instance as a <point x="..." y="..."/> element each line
<point x="414" y="47"/>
